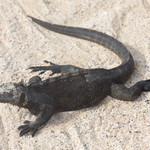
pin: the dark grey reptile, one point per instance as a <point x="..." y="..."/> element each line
<point x="75" y="88"/>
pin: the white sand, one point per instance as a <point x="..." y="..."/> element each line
<point x="113" y="125"/>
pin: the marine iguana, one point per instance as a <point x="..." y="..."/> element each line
<point x="76" y="88"/>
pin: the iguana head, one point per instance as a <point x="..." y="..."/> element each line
<point x="10" y="93"/>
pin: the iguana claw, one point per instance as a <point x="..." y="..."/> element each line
<point x="28" y="127"/>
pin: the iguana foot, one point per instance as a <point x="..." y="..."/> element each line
<point x="28" y="127"/>
<point x="54" y="68"/>
<point x="145" y="85"/>
<point x="49" y="62"/>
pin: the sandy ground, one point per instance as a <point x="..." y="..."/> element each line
<point x="113" y="124"/>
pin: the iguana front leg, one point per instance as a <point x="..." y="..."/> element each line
<point x="119" y="91"/>
<point x="34" y="81"/>
<point x="54" y="68"/>
<point x="33" y="127"/>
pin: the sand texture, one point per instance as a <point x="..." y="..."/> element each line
<point x="113" y="124"/>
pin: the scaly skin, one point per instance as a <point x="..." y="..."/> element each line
<point x="76" y="88"/>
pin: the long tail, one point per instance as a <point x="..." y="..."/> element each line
<point x="103" y="39"/>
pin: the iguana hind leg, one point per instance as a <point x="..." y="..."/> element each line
<point x="119" y="91"/>
<point x="54" y="68"/>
